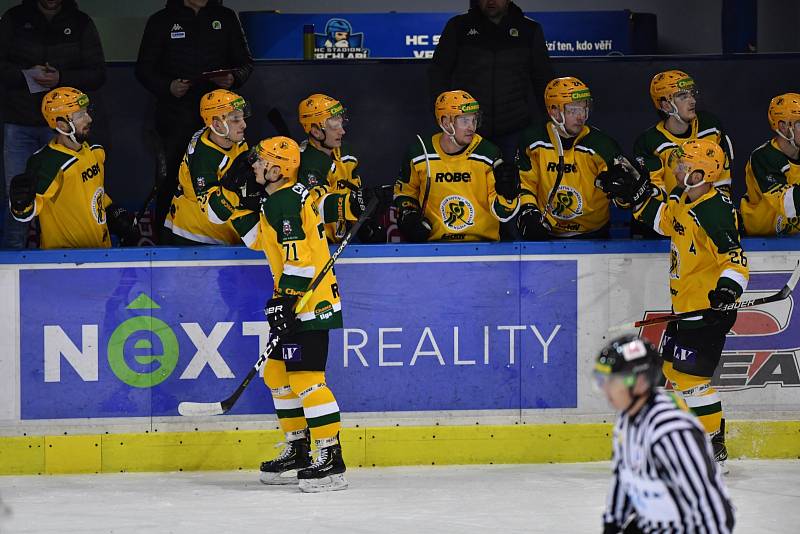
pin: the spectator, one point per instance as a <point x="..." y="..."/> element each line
<point x="43" y="44"/>
<point x="64" y="183"/>
<point x="447" y="189"/>
<point x="188" y="49"/>
<point x="572" y="206"/>
<point x="499" y="56"/>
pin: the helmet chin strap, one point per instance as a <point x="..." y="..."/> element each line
<point x="674" y="113"/>
<point x="324" y="136"/>
<point x="227" y="130"/>
<point x="451" y="135"/>
<point x="561" y="125"/>
<point x="790" y="138"/>
<point x="686" y="183"/>
<point x="71" y="134"/>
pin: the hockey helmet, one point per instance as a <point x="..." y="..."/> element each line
<point x="454" y="103"/>
<point x="566" y="90"/>
<point x="338" y="25"/>
<point x="627" y="357"/>
<point x="784" y="108"/>
<point x="281" y="151"/>
<point x="219" y="103"/>
<point x="701" y="155"/>
<point x="62" y="102"/>
<point x="665" y="85"/>
<point x="318" y="108"/>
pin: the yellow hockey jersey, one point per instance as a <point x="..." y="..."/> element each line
<point x="578" y="206"/>
<point x="201" y="168"/>
<point x="462" y="203"/>
<point x="290" y="231"/>
<point x="70" y="197"/>
<point x="323" y="174"/>
<point x="705" y="252"/>
<point x="656" y="145"/>
<point x="772" y="201"/>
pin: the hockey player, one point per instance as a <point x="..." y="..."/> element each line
<point x="328" y="165"/>
<point x="664" y="477"/>
<point x="674" y="95"/>
<point x="448" y="188"/>
<point x="211" y="152"/>
<point x="772" y="202"/>
<point x="288" y="228"/>
<point x="578" y="208"/>
<point x="64" y="182"/>
<point x="708" y="268"/>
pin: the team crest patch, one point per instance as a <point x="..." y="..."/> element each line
<point x="674" y="262"/>
<point x="292" y="352"/>
<point x="98" y="209"/>
<point x="568" y="203"/>
<point x="313" y="180"/>
<point x="457" y="213"/>
<point x="201" y="182"/>
<point x="287" y="227"/>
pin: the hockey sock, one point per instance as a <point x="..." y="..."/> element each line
<point x="700" y="396"/>
<point x="319" y="405"/>
<point x="288" y="406"/>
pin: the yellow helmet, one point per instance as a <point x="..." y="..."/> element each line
<point x="665" y="84"/>
<point x="281" y="151"/>
<point x="219" y="103"/>
<point x="785" y="108"/>
<point x="454" y="103"/>
<point x="61" y="102"/>
<point x="700" y="155"/>
<point x="318" y="108"/>
<point x="566" y="90"/>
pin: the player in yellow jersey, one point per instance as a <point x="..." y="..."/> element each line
<point x="289" y="227"/>
<point x="771" y="205"/>
<point x="64" y="182"/>
<point x="708" y="268"/>
<point x="447" y="189"/>
<point x="578" y="208"/>
<point x="328" y="164"/>
<point x="210" y="154"/>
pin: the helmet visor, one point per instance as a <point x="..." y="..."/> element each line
<point x="469" y="120"/>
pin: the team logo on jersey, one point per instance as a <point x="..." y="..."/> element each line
<point x="568" y="203"/>
<point x="457" y="212"/>
<point x="98" y="209"/>
<point x="787" y="225"/>
<point x="323" y="311"/>
<point x="312" y="179"/>
<point x="674" y="262"/>
<point x="217" y="25"/>
<point x="286" y="227"/>
<point x="339" y="41"/>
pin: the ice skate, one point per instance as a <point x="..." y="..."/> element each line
<point x="326" y="473"/>
<point x="719" y="449"/>
<point x="283" y="469"/>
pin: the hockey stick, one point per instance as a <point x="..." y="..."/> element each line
<point x="559" y="169"/>
<point x="276" y="120"/>
<point x="428" y="173"/>
<point x="157" y="144"/>
<point x="780" y="295"/>
<point x="191" y="409"/>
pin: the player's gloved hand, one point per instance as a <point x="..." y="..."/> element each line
<point x="626" y="184"/>
<point x="123" y="224"/>
<point x="506" y="180"/>
<point x="241" y="180"/>
<point x="358" y="199"/>
<point x="719" y="297"/>
<point x="372" y="231"/>
<point x="281" y="316"/>
<point x="532" y="225"/>
<point x="22" y="192"/>
<point x="413" y="225"/>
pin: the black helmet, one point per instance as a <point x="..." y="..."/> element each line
<point x="628" y="356"/>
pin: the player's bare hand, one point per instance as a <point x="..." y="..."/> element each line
<point x="225" y="81"/>
<point x="48" y="76"/>
<point x="179" y="86"/>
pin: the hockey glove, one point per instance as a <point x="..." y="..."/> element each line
<point x="241" y="179"/>
<point x="123" y="224"/>
<point x="359" y="198"/>
<point x="414" y="226"/>
<point x="372" y="231"/>
<point x="281" y="316"/>
<point x="22" y="193"/>
<point x="532" y="225"/>
<point x="506" y="180"/>
<point x="719" y="297"/>
<point x="626" y="184"/>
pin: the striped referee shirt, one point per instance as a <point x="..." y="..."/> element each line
<point x="664" y="473"/>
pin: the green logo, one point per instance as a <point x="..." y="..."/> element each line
<point x="685" y="83"/>
<point x="143" y="328"/>
<point x="470" y="107"/>
<point x="581" y="94"/>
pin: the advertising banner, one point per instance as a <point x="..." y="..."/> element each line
<point x="136" y="341"/>
<point x="273" y="35"/>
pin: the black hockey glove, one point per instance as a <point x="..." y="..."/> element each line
<point x="506" y="180"/>
<point x="359" y="198"/>
<point x="372" y="231"/>
<point x="626" y="184"/>
<point x="413" y="225"/>
<point x="532" y="225"/>
<point x="281" y="316"/>
<point x="241" y="180"/>
<point x="122" y="223"/>
<point x="719" y="297"/>
<point x="21" y="193"/>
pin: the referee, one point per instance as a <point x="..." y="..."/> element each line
<point x="665" y="478"/>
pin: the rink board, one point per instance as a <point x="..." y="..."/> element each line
<point x="451" y="354"/>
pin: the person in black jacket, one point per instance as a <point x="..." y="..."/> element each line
<point x="43" y="44"/>
<point x="188" y="49"/>
<point x="498" y="56"/>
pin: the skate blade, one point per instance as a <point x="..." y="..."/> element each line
<point x="723" y="467"/>
<point x="318" y="485"/>
<point x="279" y="479"/>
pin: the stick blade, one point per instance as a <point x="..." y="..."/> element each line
<point x="196" y="409"/>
